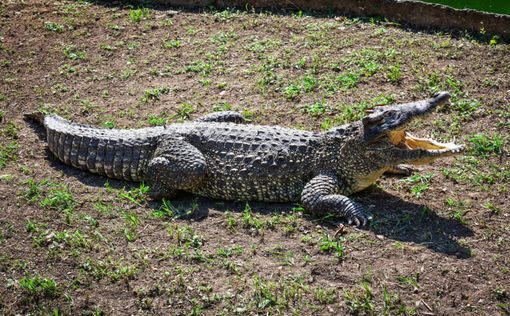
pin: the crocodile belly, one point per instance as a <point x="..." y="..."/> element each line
<point x="270" y="189"/>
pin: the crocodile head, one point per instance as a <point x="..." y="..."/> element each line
<point x="385" y="134"/>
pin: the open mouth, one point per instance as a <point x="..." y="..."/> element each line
<point x="405" y="140"/>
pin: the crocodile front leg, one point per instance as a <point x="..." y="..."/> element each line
<point x="176" y="165"/>
<point x="401" y="170"/>
<point x="321" y="195"/>
<point x="225" y="116"/>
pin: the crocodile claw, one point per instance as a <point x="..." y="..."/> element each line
<point x="359" y="219"/>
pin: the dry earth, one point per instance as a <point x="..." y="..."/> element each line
<point x="76" y="243"/>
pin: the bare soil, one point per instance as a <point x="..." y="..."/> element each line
<point x="77" y="243"/>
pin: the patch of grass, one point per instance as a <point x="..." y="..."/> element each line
<point x="348" y="80"/>
<point x="184" y="111"/>
<point x="250" y="221"/>
<point x="484" y="146"/>
<point x="457" y="208"/>
<point x="109" y="124"/>
<point x="8" y="153"/>
<point x="153" y="95"/>
<point x="465" y="107"/>
<point x="59" y="198"/>
<point x="292" y="91"/>
<point x="71" y="52"/>
<point x="309" y="83"/>
<point x="360" y="302"/>
<point x="171" y="43"/>
<point x="139" y="14"/>
<point x="115" y="270"/>
<point x="200" y="67"/>
<point x="155" y="120"/>
<point x="394" y="74"/>
<point x="54" y="27"/>
<point x="332" y="245"/>
<point x="136" y="195"/>
<point x="168" y="210"/>
<point x="33" y="192"/>
<point x="39" y="287"/>
<point x="316" y="109"/>
<point x="493" y="208"/>
<point x="420" y="183"/>
<point x="185" y="236"/>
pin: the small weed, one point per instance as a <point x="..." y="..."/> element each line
<point x="105" y="209"/>
<point x="168" y="210"/>
<point x="153" y="95"/>
<point x="325" y="296"/>
<point x="316" y="109"/>
<point x="185" y="236"/>
<point x="493" y="208"/>
<point x="330" y="244"/>
<point x="348" y="80"/>
<point x="292" y="91"/>
<point x="136" y="195"/>
<point x="39" y="287"/>
<point x="309" y="83"/>
<point x="357" y="302"/>
<point x="138" y="14"/>
<point x="109" y="124"/>
<point x="200" y="67"/>
<point x="410" y="280"/>
<point x="465" y="107"/>
<point x="54" y="27"/>
<point x="225" y="106"/>
<point x="59" y="198"/>
<point x="155" y="120"/>
<point x="34" y="190"/>
<point x="73" y="53"/>
<point x="230" y="220"/>
<point x="184" y="111"/>
<point x="10" y="131"/>
<point x="250" y="221"/>
<point x="8" y="153"/>
<point x="458" y="209"/>
<point x="171" y="43"/>
<point x="395" y="74"/>
<point x="485" y="146"/>
<point x="421" y="183"/>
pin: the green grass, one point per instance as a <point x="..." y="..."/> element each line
<point x="495" y="6"/>
<point x="153" y="95"/>
<point x="332" y="245"/>
<point x="484" y="146"/>
<point x="54" y="27"/>
<point x="420" y="183"/>
<point x="71" y="52"/>
<point x="8" y="153"/>
<point x="139" y="14"/>
<point x="36" y="286"/>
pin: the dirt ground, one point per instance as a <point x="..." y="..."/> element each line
<point x="77" y="243"/>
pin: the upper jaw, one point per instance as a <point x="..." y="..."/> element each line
<point x="383" y="119"/>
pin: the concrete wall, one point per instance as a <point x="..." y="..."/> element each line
<point x="412" y="12"/>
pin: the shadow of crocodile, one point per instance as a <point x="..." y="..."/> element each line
<point x="394" y="218"/>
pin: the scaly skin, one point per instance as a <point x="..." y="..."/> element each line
<point x="218" y="157"/>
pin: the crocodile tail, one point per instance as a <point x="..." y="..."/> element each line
<point x="37" y="117"/>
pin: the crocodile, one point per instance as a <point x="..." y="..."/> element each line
<point x="221" y="157"/>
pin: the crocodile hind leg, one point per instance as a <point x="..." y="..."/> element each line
<point x="225" y="116"/>
<point x="321" y="195"/>
<point x="176" y="165"/>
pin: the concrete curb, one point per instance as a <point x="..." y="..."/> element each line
<point x="415" y="13"/>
